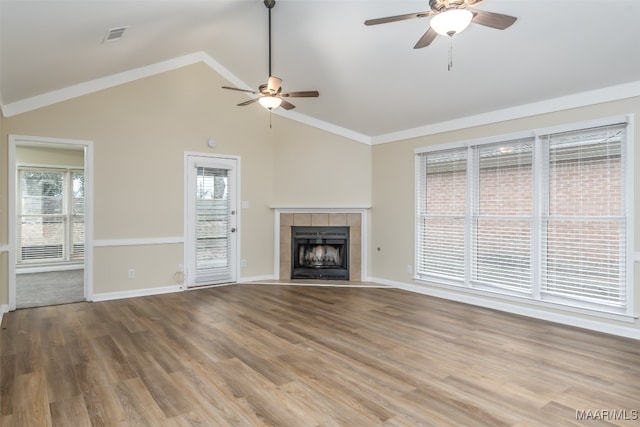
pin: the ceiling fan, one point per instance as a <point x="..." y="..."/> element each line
<point x="270" y="94"/>
<point x="450" y="17"/>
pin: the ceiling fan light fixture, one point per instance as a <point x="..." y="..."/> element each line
<point x="452" y="21"/>
<point x="270" y="102"/>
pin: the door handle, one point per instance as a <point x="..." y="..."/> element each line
<point x="233" y="229"/>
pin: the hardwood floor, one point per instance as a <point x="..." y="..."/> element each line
<point x="248" y="355"/>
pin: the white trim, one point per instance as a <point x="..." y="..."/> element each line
<point x="108" y="296"/>
<point x="4" y="248"/>
<point x="630" y="184"/>
<point x="320" y="283"/>
<point x="566" y="127"/>
<point x="16" y="140"/>
<point x="49" y="268"/>
<point x="564" y="319"/>
<point x="75" y="91"/>
<point x="208" y="157"/>
<point x="96" y="85"/>
<point x="607" y="94"/>
<point x="321" y="209"/>
<point x="293" y="115"/>
<point x="142" y="241"/>
<point x="326" y="126"/>
<point x="264" y="278"/>
<point x="493" y="139"/>
<point x="49" y="167"/>
<point x="363" y="233"/>
<point x="629" y="180"/>
<point x="4" y="308"/>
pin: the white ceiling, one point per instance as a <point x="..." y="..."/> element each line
<point x="372" y="83"/>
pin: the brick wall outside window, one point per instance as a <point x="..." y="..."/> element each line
<point x="580" y="247"/>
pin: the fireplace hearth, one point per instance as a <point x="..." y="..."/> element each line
<point x="320" y="252"/>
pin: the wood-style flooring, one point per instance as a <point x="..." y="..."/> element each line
<point x="272" y="355"/>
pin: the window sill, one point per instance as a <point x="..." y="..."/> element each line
<point x="521" y="305"/>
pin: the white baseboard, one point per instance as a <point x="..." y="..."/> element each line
<point x="135" y="293"/>
<point x="257" y="278"/>
<point x="4" y="308"/>
<point x="161" y="290"/>
<point x="565" y="319"/>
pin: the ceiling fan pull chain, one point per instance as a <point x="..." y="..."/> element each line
<point x="450" y="65"/>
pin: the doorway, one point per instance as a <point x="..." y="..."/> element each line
<point x="50" y="225"/>
<point x="211" y="228"/>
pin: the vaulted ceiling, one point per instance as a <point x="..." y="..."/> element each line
<point x="373" y="85"/>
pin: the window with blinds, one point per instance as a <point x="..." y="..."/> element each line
<point x="583" y="222"/>
<point x="212" y="225"/>
<point x="442" y="207"/>
<point x="502" y="215"/>
<point x="50" y="215"/>
<point x="542" y="217"/>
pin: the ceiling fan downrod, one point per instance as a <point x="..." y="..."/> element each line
<point x="270" y="5"/>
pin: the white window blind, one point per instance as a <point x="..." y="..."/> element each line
<point x="442" y="205"/>
<point x="76" y="235"/>
<point x="212" y="225"/>
<point x="50" y="215"/>
<point x="584" y="225"/>
<point x="541" y="218"/>
<point x="502" y="215"/>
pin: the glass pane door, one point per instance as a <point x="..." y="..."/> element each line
<point x="211" y="221"/>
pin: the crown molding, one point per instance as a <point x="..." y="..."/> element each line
<point x="96" y="85"/>
<point x="582" y="99"/>
<point x="612" y="93"/>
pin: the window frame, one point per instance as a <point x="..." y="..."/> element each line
<point x="69" y="254"/>
<point x="535" y="297"/>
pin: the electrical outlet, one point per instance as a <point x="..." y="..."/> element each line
<point x="131" y="274"/>
<point x="409" y="268"/>
<point x="243" y="263"/>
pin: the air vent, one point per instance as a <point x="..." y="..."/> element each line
<point x="113" y="34"/>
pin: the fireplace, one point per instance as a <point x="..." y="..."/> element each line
<point x="352" y="219"/>
<point x="320" y="253"/>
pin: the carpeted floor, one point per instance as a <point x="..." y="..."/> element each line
<point x="52" y="288"/>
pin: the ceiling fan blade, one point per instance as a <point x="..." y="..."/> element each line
<point x="492" y="19"/>
<point x="249" y="102"/>
<point x="287" y="105"/>
<point x="239" y="90"/>
<point x="303" y="94"/>
<point x="397" y="18"/>
<point x="426" y="39"/>
<point x="274" y="84"/>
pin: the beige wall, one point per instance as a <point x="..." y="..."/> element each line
<point x="313" y="168"/>
<point x="49" y="156"/>
<point x="393" y="184"/>
<point x="4" y="256"/>
<point x="140" y="132"/>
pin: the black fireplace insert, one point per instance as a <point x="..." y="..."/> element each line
<point x="320" y="253"/>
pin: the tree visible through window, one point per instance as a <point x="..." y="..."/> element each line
<point x="51" y="215"/>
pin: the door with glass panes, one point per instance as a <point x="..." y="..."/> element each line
<point x="212" y="221"/>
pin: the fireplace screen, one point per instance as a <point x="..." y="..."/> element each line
<point x="320" y="253"/>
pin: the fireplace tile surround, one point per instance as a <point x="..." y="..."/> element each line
<point x="286" y="218"/>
